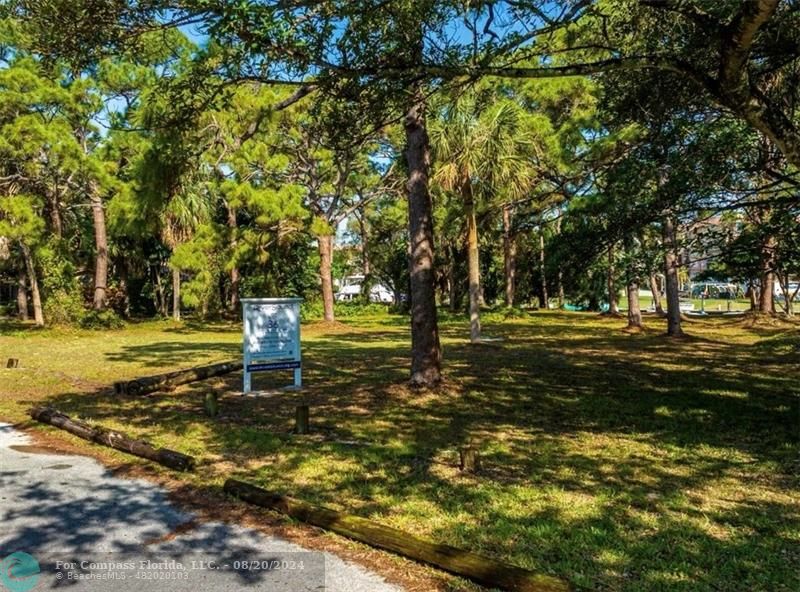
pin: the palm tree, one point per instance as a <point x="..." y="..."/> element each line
<point x="188" y="208"/>
<point x="482" y="148"/>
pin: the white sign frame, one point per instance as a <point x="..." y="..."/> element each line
<point x="271" y="338"/>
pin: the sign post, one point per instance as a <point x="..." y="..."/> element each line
<point x="271" y="337"/>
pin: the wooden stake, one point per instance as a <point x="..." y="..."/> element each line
<point x="211" y="404"/>
<point x="479" y="568"/>
<point x="112" y="439"/>
<point x="301" y="420"/>
<point x="470" y="459"/>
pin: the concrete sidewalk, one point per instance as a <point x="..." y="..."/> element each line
<point x="70" y="509"/>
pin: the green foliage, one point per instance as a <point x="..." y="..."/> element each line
<point x="103" y="319"/>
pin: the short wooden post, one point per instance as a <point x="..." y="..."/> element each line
<point x="12" y="363"/>
<point x="211" y="404"/>
<point x="301" y="419"/>
<point x="470" y="459"/>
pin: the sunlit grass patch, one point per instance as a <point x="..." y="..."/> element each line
<point x="614" y="461"/>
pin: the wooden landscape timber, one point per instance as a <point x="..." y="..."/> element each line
<point x="112" y="439"/>
<point x="478" y="568"/>
<point x="172" y="380"/>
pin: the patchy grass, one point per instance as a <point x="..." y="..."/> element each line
<point x="614" y="461"/>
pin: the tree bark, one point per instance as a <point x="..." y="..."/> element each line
<point x="545" y="299"/>
<point x="613" y="302"/>
<point x="655" y="288"/>
<point x="426" y="354"/>
<point x="509" y="256"/>
<point x="36" y="297"/>
<point x="176" y="294"/>
<point x="325" y="244"/>
<point x="473" y="263"/>
<point x="766" y="304"/>
<point x="121" y="264"/>
<point x="634" y="310"/>
<point x="101" y="250"/>
<point x="54" y="215"/>
<point x="22" y="295"/>
<point x="674" y="328"/>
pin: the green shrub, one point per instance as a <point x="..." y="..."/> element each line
<point x="102" y="319"/>
<point x="64" y="307"/>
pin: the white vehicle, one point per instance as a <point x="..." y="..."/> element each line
<point x="350" y="291"/>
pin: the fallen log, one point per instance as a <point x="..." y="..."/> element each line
<point x="168" y="382"/>
<point x="112" y="439"/>
<point x="478" y="568"/>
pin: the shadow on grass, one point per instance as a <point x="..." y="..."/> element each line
<point x="614" y="461"/>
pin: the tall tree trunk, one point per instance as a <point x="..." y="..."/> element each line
<point x="767" y="295"/>
<point x="325" y="244"/>
<point x="613" y="302"/>
<point x="101" y="249"/>
<point x="426" y="353"/>
<point x="634" y="310"/>
<point x="36" y="297"/>
<point x="233" y="303"/>
<point x="473" y="263"/>
<point x="22" y="294"/>
<point x="545" y="299"/>
<point x="674" y="328"/>
<point x="509" y="256"/>
<point x="176" y="294"/>
<point x="655" y="288"/>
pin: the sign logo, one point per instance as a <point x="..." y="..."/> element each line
<point x="19" y="572"/>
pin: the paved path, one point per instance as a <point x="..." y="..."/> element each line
<point x="71" y="509"/>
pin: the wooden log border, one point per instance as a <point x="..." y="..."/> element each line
<point x="112" y="439"/>
<point x="171" y="380"/>
<point x="478" y="568"/>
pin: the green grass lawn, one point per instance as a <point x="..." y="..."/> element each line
<point x="614" y="461"/>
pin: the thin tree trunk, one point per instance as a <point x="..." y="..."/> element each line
<point x="509" y="256"/>
<point x="325" y="244"/>
<point x="560" y="275"/>
<point x="366" y="270"/>
<point x="36" y="297"/>
<point x="233" y="303"/>
<point x="473" y="263"/>
<point x="101" y="249"/>
<point x="545" y="298"/>
<point x="176" y="294"/>
<point x="634" y="310"/>
<point x="426" y="354"/>
<point x="22" y="295"/>
<point x="751" y="293"/>
<point x="121" y="264"/>
<point x="160" y="296"/>
<point x="655" y="288"/>
<point x="613" y="302"/>
<point x="674" y="328"/>
<point x="767" y="294"/>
